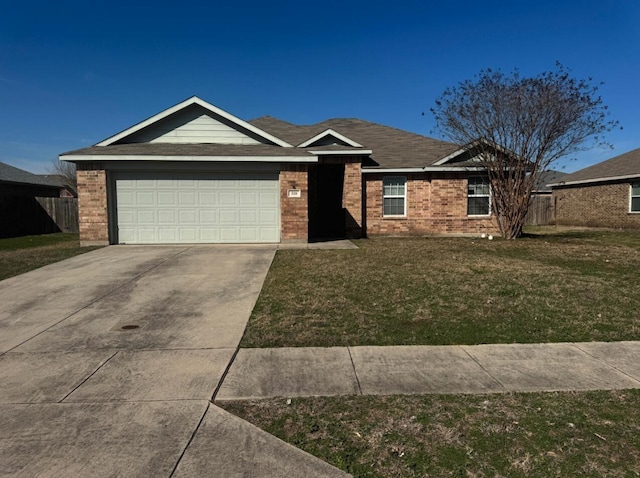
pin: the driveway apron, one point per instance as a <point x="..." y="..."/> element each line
<point x="109" y="362"/>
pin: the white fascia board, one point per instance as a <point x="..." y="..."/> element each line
<point x="454" y="168"/>
<point x="426" y="169"/>
<point x="330" y="132"/>
<point x="194" y="100"/>
<point x="596" y="180"/>
<point x="138" y="157"/>
<point x="448" y="158"/>
<point x="358" y="152"/>
<point x="462" y="150"/>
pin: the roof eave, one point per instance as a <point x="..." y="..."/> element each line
<point x="188" y="158"/>
<point x="425" y="169"/>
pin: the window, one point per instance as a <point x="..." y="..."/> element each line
<point x="394" y="196"/>
<point x="635" y="197"/>
<point x="478" y="196"/>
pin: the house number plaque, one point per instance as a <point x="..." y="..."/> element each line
<point x="294" y="193"/>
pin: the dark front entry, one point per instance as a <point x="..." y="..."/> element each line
<point x="326" y="215"/>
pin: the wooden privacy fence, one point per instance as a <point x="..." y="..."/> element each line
<point x="542" y="211"/>
<point x="62" y="212"/>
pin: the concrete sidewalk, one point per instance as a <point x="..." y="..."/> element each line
<point x="369" y="370"/>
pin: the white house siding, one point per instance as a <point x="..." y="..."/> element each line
<point x="192" y="125"/>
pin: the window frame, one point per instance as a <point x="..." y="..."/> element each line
<point x="488" y="195"/>
<point x="395" y="196"/>
<point x="632" y="196"/>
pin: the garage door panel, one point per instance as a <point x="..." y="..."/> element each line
<point x="207" y="198"/>
<point x="145" y="198"/>
<point x="209" y="208"/>
<point x="186" y="216"/>
<point x="269" y="198"/>
<point x="248" y="234"/>
<point x="146" y="217"/>
<point x="267" y="217"/>
<point x="229" y="234"/>
<point x="187" y="198"/>
<point x="166" y="183"/>
<point x="248" y="216"/>
<point x="188" y="234"/>
<point x="228" y="216"/>
<point x="228" y="198"/>
<point x="127" y="218"/>
<point x="247" y="198"/>
<point x="209" y="234"/>
<point x="167" y="198"/>
<point x="208" y="216"/>
<point x="167" y="217"/>
<point x="147" y="234"/>
<point x="127" y="235"/>
<point x="268" y="234"/>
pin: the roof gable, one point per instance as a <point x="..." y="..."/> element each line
<point x="194" y="121"/>
<point x="329" y="137"/>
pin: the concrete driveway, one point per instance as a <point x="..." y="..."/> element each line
<point x="109" y="363"/>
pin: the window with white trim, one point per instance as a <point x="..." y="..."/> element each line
<point x="478" y="196"/>
<point x="394" y="196"/>
<point x="634" y="203"/>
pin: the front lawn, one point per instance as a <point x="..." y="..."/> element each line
<point x="518" y="435"/>
<point x="548" y="287"/>
<point x="22" y="254"/>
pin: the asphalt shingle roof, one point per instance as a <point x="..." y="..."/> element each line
<point x="624" y="165"/>
<point x="392" y="147"/>
<point x="11" y="174"/>
<point x="548" y="177"/>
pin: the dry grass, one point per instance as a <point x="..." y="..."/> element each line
<point x="547" y="287"/>
<point x="516" y="435"/>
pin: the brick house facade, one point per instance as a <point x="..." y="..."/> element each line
<point x="596" y="205"/>
<point x="195" y="173"/>
<point x="606" y="194"/>
<point x="436" y="204"/>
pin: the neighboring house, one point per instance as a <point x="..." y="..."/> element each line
<point x="195" y="173"/>
<point x="606" y="194"/>
<point x="20" y="212"/>
<point x="542" y="185"/>
<point x="66" y="190"/>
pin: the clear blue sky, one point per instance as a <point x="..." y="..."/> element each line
<point x="73" y="73"/>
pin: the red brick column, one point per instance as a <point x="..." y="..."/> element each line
<point x="294" y="211"/>
<point x="352" y="198"/>
<point x="92" y="206"/>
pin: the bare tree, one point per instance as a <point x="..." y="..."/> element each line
<point x="518" y="127"/>
<point x="65" y="169"/>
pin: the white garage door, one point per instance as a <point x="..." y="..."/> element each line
<point x="159" y="208"/>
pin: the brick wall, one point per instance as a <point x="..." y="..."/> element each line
<point x="92" y="205"/>
<point x="294" y="212"/>
<point x="352" y="197"/>
<point x="597" y="205"/>
<point x="436" y="204"/>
